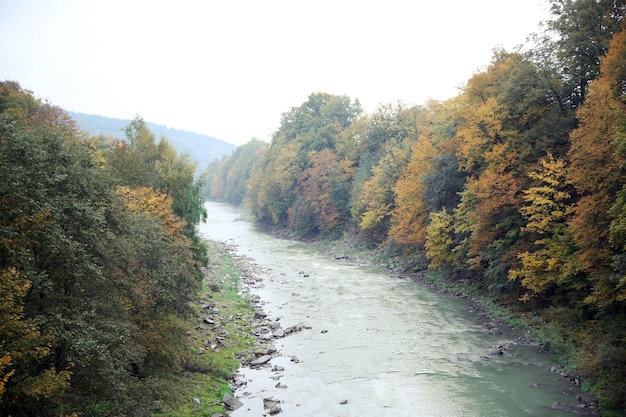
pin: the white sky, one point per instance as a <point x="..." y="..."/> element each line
<point x="230" y="68"/>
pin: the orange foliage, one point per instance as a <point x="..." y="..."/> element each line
<point x="317" y="187"/>
<point x="410" y="217"/>
<point x="596" y="172"/>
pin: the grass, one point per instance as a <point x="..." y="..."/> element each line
<point x="214" y="347"/>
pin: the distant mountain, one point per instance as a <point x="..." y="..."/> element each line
<point x="201" y="148"/>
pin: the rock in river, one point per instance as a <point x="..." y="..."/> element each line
<point x="231" y="402"/>
<point x="261" y="361"/>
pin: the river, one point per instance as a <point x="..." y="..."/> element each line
<point x="380" y="345"/>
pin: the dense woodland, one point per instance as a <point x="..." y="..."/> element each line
<point x="98" y="261"/>
<point x="515" y="187"/>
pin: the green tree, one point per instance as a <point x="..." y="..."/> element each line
<point x="584" y="29"/>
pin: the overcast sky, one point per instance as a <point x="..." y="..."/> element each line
<point x="230" y="68"/>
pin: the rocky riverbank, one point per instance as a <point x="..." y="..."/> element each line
<point x="261" y="357"/>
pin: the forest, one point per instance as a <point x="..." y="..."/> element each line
<point x="99" y="259"/>
<point x="515" y="188"/>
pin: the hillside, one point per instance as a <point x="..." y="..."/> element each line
<point x="201" y="148"/>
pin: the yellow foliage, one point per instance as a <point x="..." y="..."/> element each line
<point x="439" y="242"/>
<point x="480" y="129"/>
<point x="47" y="385"/>
<point x="547" y="203"/>
<point x="22" y="343"/>
<point x="144" y="200"/>
<point x="378" y="195"/>
<point x="552" y="262"/>
<point x="5" y="372"/>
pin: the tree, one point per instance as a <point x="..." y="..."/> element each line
<point x="176" y="178"/>
<point x="584" y="29"/>
<point x="596" y="174"/>
<point x="159" y="268"/>
<point x="325" y="185"/>
<point x="384" y="144"/>
<point x="228" y="179"/>
<point x="376" y="201"/>
<point x="551" y="267"/>
<point x="410" y="216"/>
<point x="439" y="241"/>
<point x="25" y="380"/>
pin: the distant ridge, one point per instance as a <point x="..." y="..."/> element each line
<point x="201" y="148"/>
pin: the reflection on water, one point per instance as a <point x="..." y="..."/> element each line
<point x="380" y="345"/>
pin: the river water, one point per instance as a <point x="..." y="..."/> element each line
<point x="380" y="345"/>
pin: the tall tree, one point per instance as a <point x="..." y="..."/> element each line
<point x="597" y="175"/>
<point x="584" y="29"/>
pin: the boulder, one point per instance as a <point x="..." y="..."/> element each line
<point x="586" y="400"/>
<point x="261" y="360"/>
<point x="231" y="402"/>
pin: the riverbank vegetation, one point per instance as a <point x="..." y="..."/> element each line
<point x="515" y="186"/>
<point x="218" y="334"/>
<point x="100" y="270"/>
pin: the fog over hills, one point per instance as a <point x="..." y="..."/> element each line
<point x="201" y="148"/>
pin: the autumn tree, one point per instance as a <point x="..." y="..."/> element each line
<point x="614" y="68"/>
<point x="439" y="242"/>
<point x="508" y="118"/>
<point x="376" y="200"/>
<point x="27" y="379"/>
<point x="385" y="142"/>
<point x="141" y="161"/>
<point x="160" y="275"/>
<point x="551" y="268"/>
<point x="597" y="175"/>
<point x="410" y="216"/>
<point x="325" y="186"/>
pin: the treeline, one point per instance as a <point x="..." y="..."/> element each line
<point x="515" y="186"/>
<point x="98" y="261"/>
